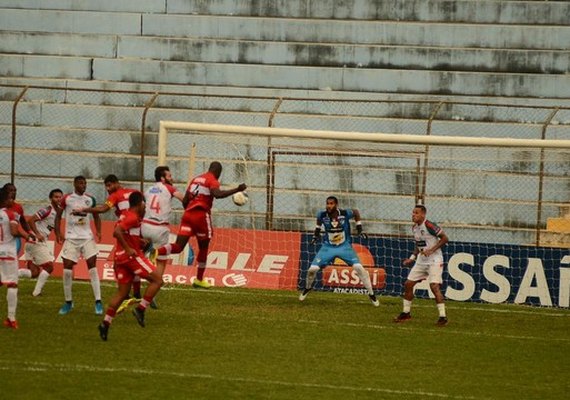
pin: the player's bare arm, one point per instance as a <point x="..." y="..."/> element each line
<point x="443" y="239"/>
<point x="99" y="209"/>
<point x="97" y="220"/>
<point x="59" y="236"/>
<point x="221" y="194"/>
<point x="32" y="223"/>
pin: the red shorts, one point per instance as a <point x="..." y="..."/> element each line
<point x="125" y="271"/>
<point x="196" y="222"/>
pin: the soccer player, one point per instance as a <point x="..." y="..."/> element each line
<point x="428" y="257"/>
<point x="18" y="211"/>
<point x="129" y="260"/>
<point x="337" y="243"/>
<point x="78" y="240"/>
<point x="119" y="199"/>
<point x="196" y="220"/>
<point x="155" y="225"/>
<point x="40" y="256"/>
<point x="9" y="230"/>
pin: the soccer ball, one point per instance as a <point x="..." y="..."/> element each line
<point x="240" y="198"/>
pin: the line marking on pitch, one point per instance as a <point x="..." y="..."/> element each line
<point x="48" y="367"/>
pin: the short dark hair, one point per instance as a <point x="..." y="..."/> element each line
<point x="79" y="178"/>
<point x="4" y="195"/>
<point x="333" y="198"/>
<point x="112" y="178"/>
<point x="8" y="185"/>
<point x="135" y="198"/>
<point x="421" y="207"/>
<point x="160" y="172"/>
<point x="54" y="191"/>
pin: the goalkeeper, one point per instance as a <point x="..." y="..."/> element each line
<point x="337" y="243"/>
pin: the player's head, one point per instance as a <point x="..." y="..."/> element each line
<point x="79" y="184"/>
<point x="111" y="183"/>
<point x="215" y="168"/>
<point x="163" y="174"/>
<point x="6" y="199"/>
<point x="55" y="196"/>
<point x="419" y="213"/>
<point x="137" y="203"/>
<point x="11" y="189"/>
<point x="332" y="203"/>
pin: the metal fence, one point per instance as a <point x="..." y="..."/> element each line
<point x="51" y="134"/>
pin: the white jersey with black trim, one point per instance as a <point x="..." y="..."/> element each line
<point x="426" y="236"/>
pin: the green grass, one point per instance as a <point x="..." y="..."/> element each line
<point x="254" y="344"/>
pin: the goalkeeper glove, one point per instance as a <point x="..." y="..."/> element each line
<point x="360" y="233"/>
<point x="316" y="236"/>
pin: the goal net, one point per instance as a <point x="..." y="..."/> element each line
<point x="502" y="203"/>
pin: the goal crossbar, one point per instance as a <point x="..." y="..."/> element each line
<point x="353" y="136"/>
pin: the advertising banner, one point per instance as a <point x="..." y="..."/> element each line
<point x="279" y="260"/>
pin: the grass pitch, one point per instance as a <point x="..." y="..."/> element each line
<point x="254" y="344"/>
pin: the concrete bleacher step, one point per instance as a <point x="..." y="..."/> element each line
<point x="70" y="21"/>
<point x="315" y="115"/>
<point x="285" y="53"/>
<point x="416" y="33"/>
<point x="14" y="85"/>
<point x="351" y="79"/>
<point x="347" y="55"/>
<point x="473" y="11"/>
<point x="358" y="32"/>
<point x="135" y="6"/>
<point x="59" y="44"/>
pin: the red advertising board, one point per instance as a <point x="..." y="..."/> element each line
<point x="237" y="257"/>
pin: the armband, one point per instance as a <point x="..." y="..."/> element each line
<point x="413" y="257"/>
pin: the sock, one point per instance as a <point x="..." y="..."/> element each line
<point x="24" y="273"/>
<point x="95" y="284"/>
<point x="109" y="315"/>
<point x="171" y="248"/>
<point x="407" y="306"/>
<point x="137" y="287"/>
<point x="145" y="302"/>
<point x="42" y="278"/>
<point x="364" y="277"/>
<point x="67" y="282"/>
<point x="201" y="271"/>
<point x="12" y="300"/>
<point x="441" y="309"/>
<point x="311" y="274"/>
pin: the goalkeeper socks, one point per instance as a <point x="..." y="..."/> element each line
<point x="364" y="277"/>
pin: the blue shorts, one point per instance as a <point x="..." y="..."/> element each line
<point x="328" y="253"/>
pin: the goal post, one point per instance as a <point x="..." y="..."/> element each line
<point x="501" y="201"/>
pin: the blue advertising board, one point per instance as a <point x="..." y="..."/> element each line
<point x="478" y="272"/>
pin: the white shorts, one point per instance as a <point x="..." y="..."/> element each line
<point x="9" y="271"/>
<point x="74" y="248"/>
<point x="159" y="235"/>
<point x="40" y="253"/>
<point x="432" y="272"/>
